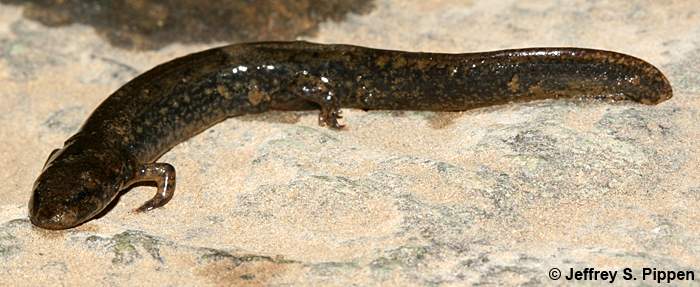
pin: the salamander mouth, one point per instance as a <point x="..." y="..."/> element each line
<point x="51" y="218"/>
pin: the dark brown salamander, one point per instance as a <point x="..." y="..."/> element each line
<point x="119" y="143"/>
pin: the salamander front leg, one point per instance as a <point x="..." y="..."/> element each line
<point x="163" y="174"/>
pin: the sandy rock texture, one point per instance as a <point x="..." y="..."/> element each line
<point x="494" y="196"/>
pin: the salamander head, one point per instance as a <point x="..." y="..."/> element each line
<point x="75" y="185"/>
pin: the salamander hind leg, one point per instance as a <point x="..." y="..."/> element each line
<point x="163" y="174"/>
<point x="318" y="90"/>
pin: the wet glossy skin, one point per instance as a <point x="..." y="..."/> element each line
<point x="120" y="142"/>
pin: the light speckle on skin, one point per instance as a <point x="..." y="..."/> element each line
<point x="255" y="97"/>
<point x="223" y="91"/>
<point x="514" y="84"/>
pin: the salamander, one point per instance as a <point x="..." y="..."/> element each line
<point x="118" y="145"/>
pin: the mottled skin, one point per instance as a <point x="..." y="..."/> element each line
<point x="119" y="143"/>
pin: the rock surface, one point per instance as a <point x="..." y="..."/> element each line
<point x="496" y="195"/>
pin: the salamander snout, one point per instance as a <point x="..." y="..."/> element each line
<point x="61" y="201"/>
<point x="72" y="189"/>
